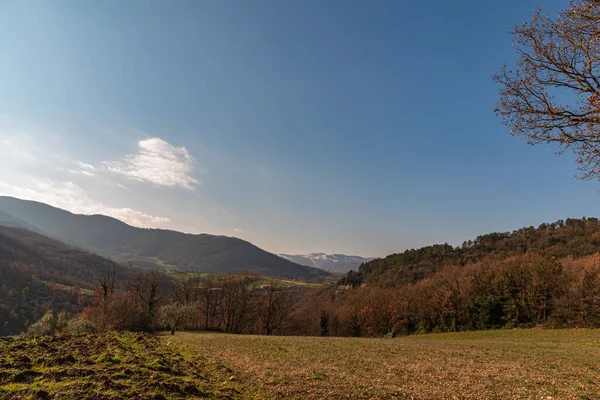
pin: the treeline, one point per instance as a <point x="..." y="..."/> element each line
<point x="570" y="237"/>
<point x="545" y="276"/>
<point x="231" y="303"/>
<point x="520" y="291"/>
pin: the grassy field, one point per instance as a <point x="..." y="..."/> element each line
<point x="516" y="364"/>
<point x="110" y="366"/>
<point x="519" y="364"/>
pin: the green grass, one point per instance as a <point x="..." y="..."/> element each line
<point x="110" y="366"/>
<point x="515" y="364"/>
<point x="163" y="264"/>
<point x="287" y="282"/>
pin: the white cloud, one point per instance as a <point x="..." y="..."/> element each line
<point x="80" y="172"/>
<point x="78" y="167"/>
<point x="238" y="230"/>
<point x="71" y="197"/>
<point x="83" y="169"/>
<point x="157" y="162"/>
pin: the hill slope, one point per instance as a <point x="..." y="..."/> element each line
<point x="156" y="248"/>
<point x="38" y="273"/>
<point x="9" y="220"/>
<point x="571" y="237"/>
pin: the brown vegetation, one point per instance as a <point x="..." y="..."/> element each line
<point x="509" y="364"/>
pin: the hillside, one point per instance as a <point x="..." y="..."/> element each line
<point x="154" y="248"/>
<point x="38" y="273"/>
<point x="338" y="263"/>
<point x="10" y="221"/>
<point x="544" y="276"/>
<point x="571" y="237"/>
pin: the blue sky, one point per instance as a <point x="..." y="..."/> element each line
<point x="338" y="126"/>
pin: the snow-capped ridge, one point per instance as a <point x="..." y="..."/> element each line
<point x="330" y="262"/>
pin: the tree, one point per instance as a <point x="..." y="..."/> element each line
<point x="238" y="295"/>
<point x="324" y="323"/>
<point x="273" y="307"/>
<point x="186" y="289"/>
<point x="106" y="289"/>
<point x="553" y="96"/>
<point x="211" y="297"/>
<point x="143" y="286"/>
<point x="174" y="315"/>
<point x="590" y="291"/>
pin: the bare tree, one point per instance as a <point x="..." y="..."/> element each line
<point x="273" y="307"/>
<point x="144" y="287"/>
<point x="108" y="281"/>
<point x="210" y="299"/>
<point x="238" y="293"/>
<point x="186" y="290"/>
<point x="553" y="96"/>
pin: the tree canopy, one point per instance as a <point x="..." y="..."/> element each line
<point x="553" y="96"/>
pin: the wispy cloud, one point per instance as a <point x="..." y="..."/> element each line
<point x="76" y="167"/>
<point x="158" y="162"/>
<point x="71" y="197"/>
<point x="83" y="169"/>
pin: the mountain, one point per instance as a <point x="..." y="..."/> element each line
<point x="9" y="220"/>
<point x="339" y="263"/>
<point x="152" y="248"/>
<point x="38" y="273"/>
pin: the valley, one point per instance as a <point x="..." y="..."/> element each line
<point x="304" y="200"/>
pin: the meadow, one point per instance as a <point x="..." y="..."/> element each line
<point x="507" y="364"/>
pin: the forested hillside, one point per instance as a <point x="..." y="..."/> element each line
<point x="38" y="274"/>
<point x="153" y="248"/>
<point x="547" y="276"/>
<point x="572" y="237"/>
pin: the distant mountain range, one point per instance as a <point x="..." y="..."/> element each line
<point x="339" y="263"/>
<point x="150" y="248"/>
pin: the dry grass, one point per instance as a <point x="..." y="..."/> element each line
<point x="519" y="364"/>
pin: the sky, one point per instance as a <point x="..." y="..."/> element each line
<point x="336" y="126"/>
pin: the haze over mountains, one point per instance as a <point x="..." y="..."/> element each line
<point x="339" y="263"/>
<point x="150" y="248"/>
